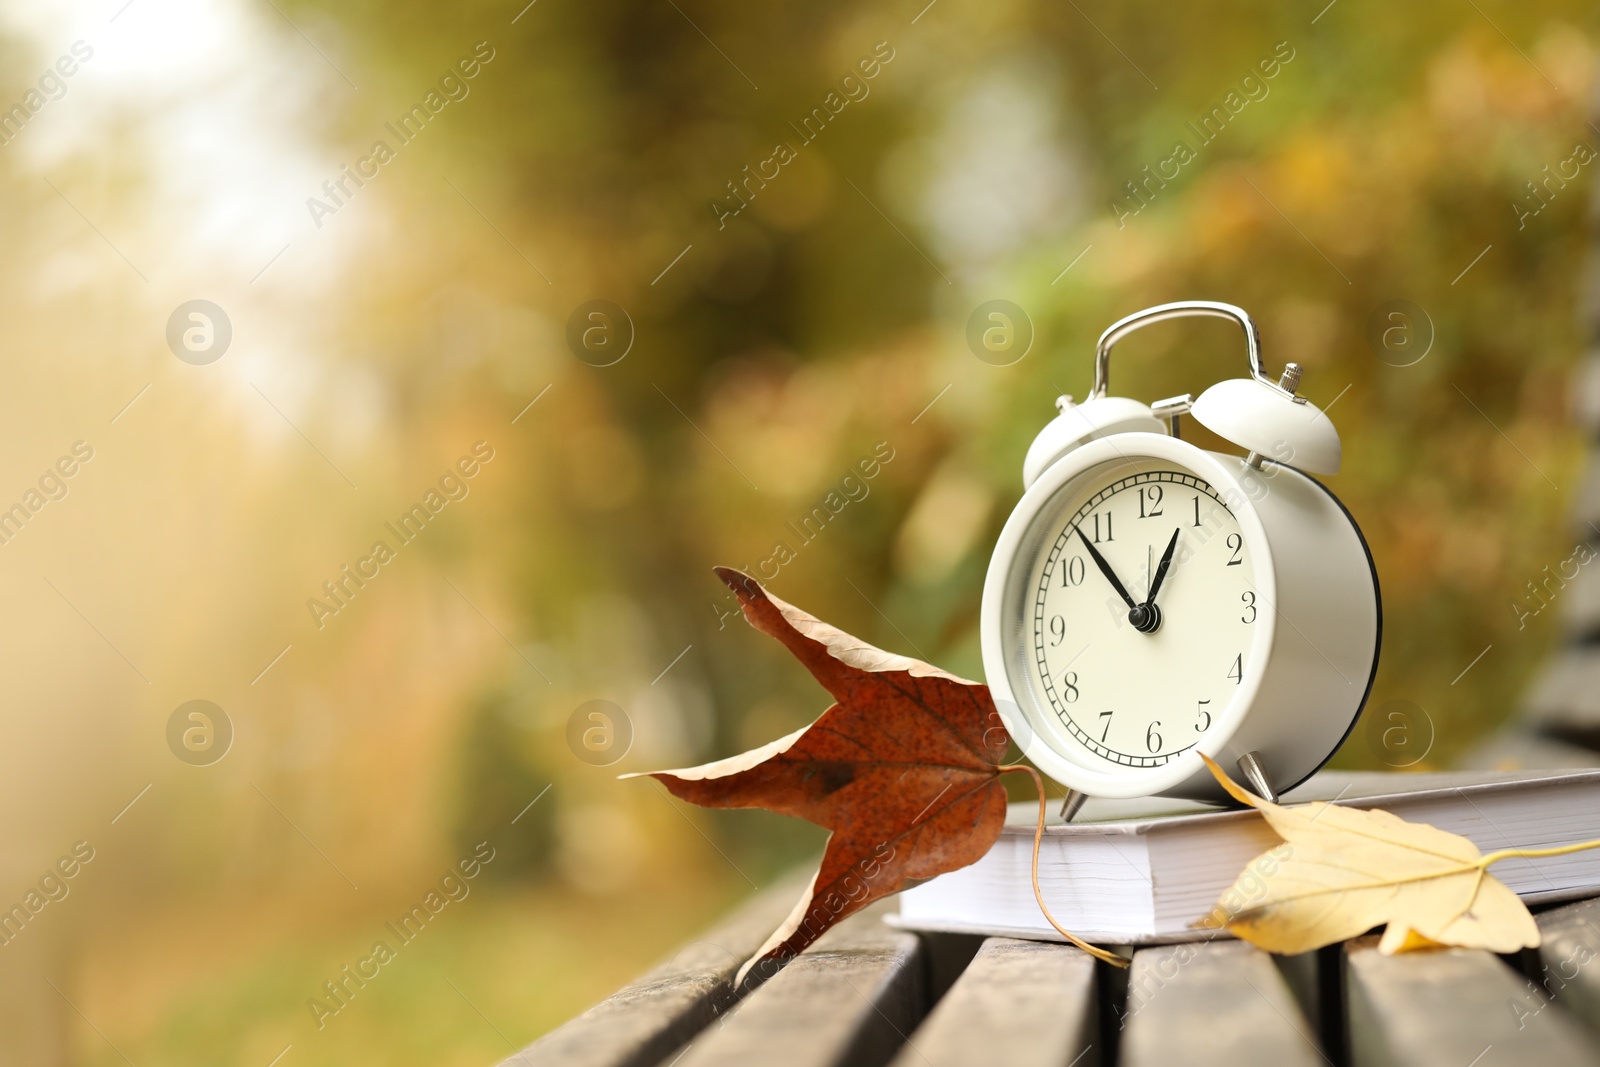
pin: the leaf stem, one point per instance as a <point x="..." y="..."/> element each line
<point x="1038" y="837"/>
<point x="1536" y="853"/>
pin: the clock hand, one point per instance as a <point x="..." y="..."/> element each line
<point x="1105" y="569"/>
<point x="1161" y="570"/>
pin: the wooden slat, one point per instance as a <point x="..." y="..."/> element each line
<point x="848" y="1001"/>
<point x="1305" y="976"/>
<point x="1570" y="960"/>
<point x="1223" y="1000"/>
<point x="640" y="1024"/>
<point x="1450" y="1008"/>
<point x="1565" y="701"/>
<point x="947" y="958"/>
<point x="1019" y="1003"/>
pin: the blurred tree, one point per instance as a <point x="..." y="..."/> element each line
<point x="502" y="774"/>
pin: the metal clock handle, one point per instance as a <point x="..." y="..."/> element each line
<point x="1179" y="310"/>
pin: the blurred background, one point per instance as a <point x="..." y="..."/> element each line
<point x="790" y="213"/>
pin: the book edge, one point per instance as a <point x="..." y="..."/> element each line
<point x="1384" y="800"/>
<point x="1109" y="939"/>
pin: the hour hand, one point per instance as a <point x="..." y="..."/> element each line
<point x="1105" y="569"/>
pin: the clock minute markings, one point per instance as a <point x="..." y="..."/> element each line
<point x="1156" y="573"/>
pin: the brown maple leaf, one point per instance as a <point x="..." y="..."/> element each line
<point x="904" y="769"/>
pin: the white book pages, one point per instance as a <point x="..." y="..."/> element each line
<point x="1139" y="872"/>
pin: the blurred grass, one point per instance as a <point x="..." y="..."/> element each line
<point x="504" y="965"/>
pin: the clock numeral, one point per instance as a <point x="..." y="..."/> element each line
<point x="1237" y="673"/>
<point x="1106" y="715"/>
<point x="1152" y="740"/>
<point x="1058" y="630"/>
<point x="1097" y="527"/>
<point x="1249" y="600"/>
<point x="1072" y="573"/>
<point x="1197" y="511"/>
<point x="1151" y="495"/>
<point x="1069" y="685"/>
<point x="1236" y="543"/>
<point x="1205" y="718"/>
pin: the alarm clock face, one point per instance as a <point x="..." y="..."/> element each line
<point x="1140" y="617"/>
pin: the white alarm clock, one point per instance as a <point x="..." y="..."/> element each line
<point x="1148" y="600"/>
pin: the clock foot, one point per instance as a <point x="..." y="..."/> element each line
<point x="1071" y="803"/>
<point x="1255" y="776"/>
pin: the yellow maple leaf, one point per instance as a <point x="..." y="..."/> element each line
<point x="1342" y="871"/>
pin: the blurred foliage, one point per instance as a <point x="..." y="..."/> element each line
<point x="501" y="781"/>
<point x="776" y="351"/>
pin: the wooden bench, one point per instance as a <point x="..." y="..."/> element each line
<point x="868" y="994"/>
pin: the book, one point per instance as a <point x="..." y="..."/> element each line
<point x="1132" y="872"/>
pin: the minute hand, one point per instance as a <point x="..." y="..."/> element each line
<point x="1105" y="569"/>
<point x="1161" y="569"/>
